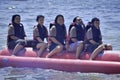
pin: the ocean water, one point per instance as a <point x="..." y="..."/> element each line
<point x="108" y="11"/>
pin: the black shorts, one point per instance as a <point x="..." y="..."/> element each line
<point x="52" y="46"/>
<point x="30" y="43"/>
<point x="91" y="47"/>
<point x="12" y="44"/>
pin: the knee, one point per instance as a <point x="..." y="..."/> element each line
<point x="81" y="44"/>
<point x="22" y="43"/>
<point x="109" y="47"/>
<point x="44" y="45"/>
<point x="60" y="47"/>
<point x="39" y="45"/>
<point x="101" y="47"/>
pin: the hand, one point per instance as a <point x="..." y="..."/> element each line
<point x="25" y="41"/>
<point x="66" y="47"/>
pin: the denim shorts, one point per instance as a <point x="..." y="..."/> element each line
<point x="90" y="47"/>
<point x="52" y="46"/>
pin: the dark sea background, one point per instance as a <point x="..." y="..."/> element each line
<point x="108" y="11"/>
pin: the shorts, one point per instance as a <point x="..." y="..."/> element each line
<point x="90" y="47"/>
<point x="101" y="53"/>
<point x="73" y="46"/>
<point x="11" y="45"/>
<point x="52" y="46"/>
<point x="34" y="45"/>
<point x="30" y="43"/>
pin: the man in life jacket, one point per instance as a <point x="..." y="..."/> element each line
<point x="39" y="34"/>
<point x="77" y="36"/>
<point x="57" y="36"/>
<point x="94" y="37"/>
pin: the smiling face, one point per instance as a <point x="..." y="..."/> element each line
<point x="41" y="21"/>
<point x="60" y="20"/>
<point x="17" y="20"/>
<point x="96" y="24"/>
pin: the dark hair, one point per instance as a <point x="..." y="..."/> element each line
<point x="13" y="17"/>
<point x="39" y="16"/>
<point x="74" y="20"/>
<point x="89" y="24"/>
<point x="71" y="25"/>
<point x="51" y="24"/>
<point x="94" y="19"/>
<point x="58" y="17"/>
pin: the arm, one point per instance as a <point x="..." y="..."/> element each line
<point x="90" y="37"/>
<point x="36" y="35"/>
<point x="47" y="35"/>
<point x="11" y="33"/>
<point x="66" y="38"/>
<point x="53" y="34"/>
<point x="73" y="34"/>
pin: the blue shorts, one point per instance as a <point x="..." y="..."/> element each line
<point x="52" y="46"/>
<point x="90" y="47"/>
<point x="100" y="54"/>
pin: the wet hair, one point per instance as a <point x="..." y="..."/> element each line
<point x="14" y="16"/>
<point x="58" y="17"/>
<point x="39" y="16"/>
<point x="74" y="20"/>
<point x="94" y="19"/>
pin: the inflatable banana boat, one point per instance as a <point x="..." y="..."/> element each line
<point x="108" y="62"/>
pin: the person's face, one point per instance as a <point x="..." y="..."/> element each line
<point x="78" y="21"/>
<point x="17" y="20"/>
<point x="60" y="20"/>
<point x="96" y="23"/>
<point x="41" y="21"/>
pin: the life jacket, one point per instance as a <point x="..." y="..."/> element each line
<point x="88" y="26"/>
<point x="80" y="31"/>
<point x="96" y="34"/>
<point x="18" y="31"/>
<point x="43" y="33"/>
<point x="60" y="33"/>
<point x="51" y="24"/>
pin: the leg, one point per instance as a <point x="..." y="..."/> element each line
<point x="19" y="45"/>
<point x="79" y="50"/>
<point x="76" y="47"/>
<point x="97" y="51"/>
<point x="56" y="50"/>
<point x="11" y="45"/>
<point x="17" y="48"/>
<point x="41" y="47"/>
